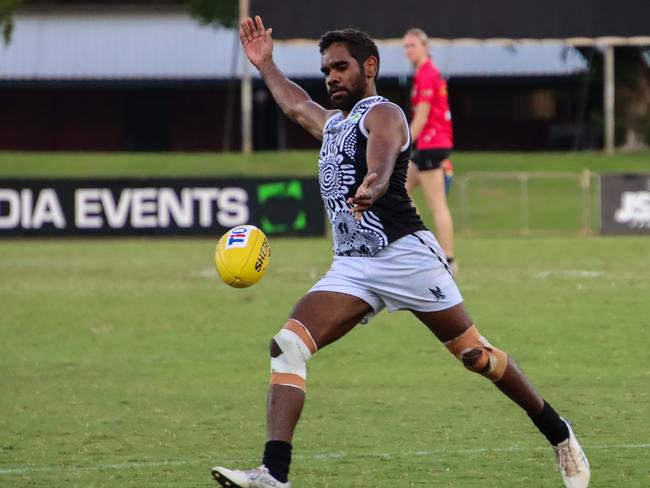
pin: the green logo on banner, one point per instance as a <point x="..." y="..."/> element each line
<point x="281" y="204"/>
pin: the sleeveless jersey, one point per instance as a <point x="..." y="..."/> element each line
<point x="342" y="167"/>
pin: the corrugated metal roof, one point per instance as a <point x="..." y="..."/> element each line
<point x="134" y="45"/>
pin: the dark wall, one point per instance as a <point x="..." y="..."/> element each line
<point x="488" y="113"/>
<point x="115" y="118"/>
<point x="501" y="113"/>
<point x="525" y="114"/>
<point x="45" y="120"/>
<point x="385" y="19"/>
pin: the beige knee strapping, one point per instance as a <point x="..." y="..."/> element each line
<point x="478" y="355"/>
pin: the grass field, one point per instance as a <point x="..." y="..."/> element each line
<point x="126" y="363"/>
<point x="288" y="163"/>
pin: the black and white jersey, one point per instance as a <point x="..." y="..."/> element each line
<point x="342" y="167"/>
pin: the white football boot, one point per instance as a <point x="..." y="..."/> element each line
<point x="572" y="462"/>
<point x="252" y="478"/>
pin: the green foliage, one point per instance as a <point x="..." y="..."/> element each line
<point x="7" y="8"/>
<point x="632" y="95"/>
<point x="215" y="12"/>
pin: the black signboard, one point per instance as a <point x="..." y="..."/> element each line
<point x="625" y="203"/>
<point x="159" y="207"/>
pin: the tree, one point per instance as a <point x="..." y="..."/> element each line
<point x="7" y="8"/>
<point x="215" y="12"/>
<point x="632" y="92"/>
<point x="633" y="95"/>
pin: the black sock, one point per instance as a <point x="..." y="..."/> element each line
<point x="277" y="457"/>
<point x="551" y="425"/>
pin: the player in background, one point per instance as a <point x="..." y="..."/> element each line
<point x="431" y="130"/>
<point x="384" y="256"/>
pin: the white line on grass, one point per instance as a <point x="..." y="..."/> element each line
<point x="209" y="273"/>
<point x="570" y="273"/>
<point x="18" y="470"/>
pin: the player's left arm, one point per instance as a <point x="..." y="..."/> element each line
<point x="422" y="111"/>
<point x="387" y="134"/>
<point x="427" y="88"/>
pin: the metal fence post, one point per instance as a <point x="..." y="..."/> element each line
<point x="585" y="187"/>
<point x="525" y="201"/>
<point x="246" y="92"/>
<point x="609" y="83"/>
<point x="464" y="203"/>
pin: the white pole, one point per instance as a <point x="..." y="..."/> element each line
<point x="609" y="98"/>
<point x="246" y="92"/>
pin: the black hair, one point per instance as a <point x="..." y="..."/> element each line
<point x="359" y="44"/>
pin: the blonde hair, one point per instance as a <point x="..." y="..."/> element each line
<point x="420" y="34"/>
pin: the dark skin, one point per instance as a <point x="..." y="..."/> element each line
<point x="327" y="315"/>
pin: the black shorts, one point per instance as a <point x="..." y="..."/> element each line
<point x="427" y="159"/>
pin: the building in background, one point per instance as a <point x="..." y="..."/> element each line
<point x="148" y="77"/>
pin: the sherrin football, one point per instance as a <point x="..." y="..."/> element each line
<point x="242" y="256"/>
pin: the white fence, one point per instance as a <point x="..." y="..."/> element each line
<point x="587" y="187"/>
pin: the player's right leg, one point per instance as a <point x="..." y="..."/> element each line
<point x="455" y="329"/>
<point x="326" y="316"/>
<point x="318" y="319"/>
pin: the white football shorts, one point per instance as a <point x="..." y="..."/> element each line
<point x="409" y="274"/>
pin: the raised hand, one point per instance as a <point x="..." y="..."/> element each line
<point x="365" y="196"/>
<point x="256" y="41"/>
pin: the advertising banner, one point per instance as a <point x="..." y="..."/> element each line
<point x="625" y="203"/>
<point x="159" y="206"/>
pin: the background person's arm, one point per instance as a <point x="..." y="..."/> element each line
<point x="293" y="100"/>
<point x="422" y="111"/>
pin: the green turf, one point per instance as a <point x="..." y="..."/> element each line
<point x="125" y="363"/>
<point x="287" y="163"/>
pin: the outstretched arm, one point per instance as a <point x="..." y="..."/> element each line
<point x="387" y="133"/>
<point x="292" y="99"/>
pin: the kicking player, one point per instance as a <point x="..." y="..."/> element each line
<point x="383" y="255"/>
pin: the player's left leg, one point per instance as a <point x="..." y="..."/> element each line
<point x="455" y="329"/>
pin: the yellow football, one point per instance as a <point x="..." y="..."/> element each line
<point x="242" y="256"/>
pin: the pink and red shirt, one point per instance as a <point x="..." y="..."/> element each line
<point x="430" y="87"/>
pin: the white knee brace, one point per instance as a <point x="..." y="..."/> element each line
<point x="297" y="346"/>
